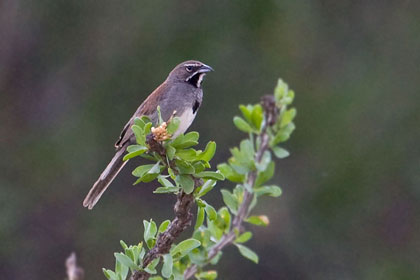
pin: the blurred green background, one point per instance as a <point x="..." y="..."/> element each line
<point x="73" y="72"/>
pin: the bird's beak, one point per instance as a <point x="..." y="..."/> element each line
<point x="204" y="69"/>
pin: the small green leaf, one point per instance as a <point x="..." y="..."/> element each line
<point x="123" y="259"/>
<point x="167" y="265"/>
<point x="142" y="169"/>
<point x="226" y="217"/>
<point x="208" y="153"/>
<point x="207" y="275"/>
<point x="230" y="201"/>
<point x="247" y="112"/>
<point x="273" y="191"/>
<point x="257" y="116"/>
<point x="165" y="182"/>
<point x="266" y="175"/>
<point x="199" y="166"/>
<point x="163" y="226"/>
<point x="170" y="152"/>
<point x="136" y="150"/>
<point x="207" y="186"/>
<point x="200" y="218"/>
<point x="123" y="244"/>
<point x="287" y="117"/>
<point x="230" y="173"/>
<point x="189" y="154"/>
<point x="241" y="124"/>
<point x="244" y="237"/>
<point x="150" y="230"/>
<point x="151" y="268"/>
<point x="265" y="161"/>
<point x="280" y="152"/>
<point x="186" y="182"/>
<point x="173" y="125"/>
<point x="166" y="190"/>
<point x="184" y="167"/>
<point x="247" y="253"/>
<point x="258" y="220"/>
<point x="109" y="274"/>
<point x="185" y="247"/>
<point x="211" y="213"/>
<point x="210" y="175"/>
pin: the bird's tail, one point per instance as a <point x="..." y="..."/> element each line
<point x="105" y="179"/>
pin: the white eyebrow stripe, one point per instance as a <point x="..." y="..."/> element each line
<point x="192" y="64"/>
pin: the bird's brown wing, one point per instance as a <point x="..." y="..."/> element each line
<point x="147" y="108"/>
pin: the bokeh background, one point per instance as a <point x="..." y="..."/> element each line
<point x="73" y="72"/>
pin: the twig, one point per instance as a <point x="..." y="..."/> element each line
<point x="183" y="219"/>
<point x="74" y="272"/>
<point x="271" y="113"/>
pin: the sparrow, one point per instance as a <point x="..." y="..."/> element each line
<point x="179" y="95"/>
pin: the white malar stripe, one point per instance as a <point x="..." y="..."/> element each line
<point x="186" y="118"/>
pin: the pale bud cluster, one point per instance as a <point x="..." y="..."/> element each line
<point x="160" y="133"/>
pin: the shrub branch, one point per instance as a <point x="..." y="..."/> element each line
<point x="271" y="113"/>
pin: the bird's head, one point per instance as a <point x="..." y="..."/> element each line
<point x="191" y="71"/>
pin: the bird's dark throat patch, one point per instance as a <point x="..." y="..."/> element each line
<point x="196" y="106"/>
<point x="196" y="79"/>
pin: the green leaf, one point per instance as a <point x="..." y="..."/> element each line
<point x="230" y="173"/>
<point x="135" y="150"/>
<point x="287" y="117"/>
<point x="167" y="265"/>
<point x="208" y="153"/>
<point x="241" y="124"/>
<point x="109" y="274"/>
<point x="148" y="172"/>
<point x="123" y="244"/>
<point x="166" y="190"/>
<point x="226" y="217"/>
<point x="207" y="275"/>
<point x="200" y="218"/>
<point x="188" y="155"/>
<point x="257" y="116"/>
<point x="123" y="259"/>
<point x="211" y="213"/>
<point x="142" y="169"/>
<point x="280" y="152"/>
<point x="258" y="220"/>
<point x="247" y="253"/>
<point x="139" y="133"/>
<point x="151" y="267"/>
<point x="199" y="166"/>
<point x="247" y="112"/>
<point x="150" y="230"/>
<point x="244" y="237"/>
<point x="207" y="186"/>
<point x="281" y="90"/>
<point x="186" y="182"/>
<point x="210" y="175"/>
<point x="184" y="247"/>
<point x="163" y="226"/>
<point x="273" y="191"/>
<point x="266" y="175"/>
<point x="230" y="201"/>
<point x="184" y="167"/>
<point x="165" y="182"/>
<point x="170" y="152"/>
<point x="265" y="161"/>
<point x="185" y="141"/>
<point x="173" y="125"/>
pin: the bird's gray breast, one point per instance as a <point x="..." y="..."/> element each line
<point x="185" y="100"/>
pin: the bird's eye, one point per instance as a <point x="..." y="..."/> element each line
<point x="189" y="68"/>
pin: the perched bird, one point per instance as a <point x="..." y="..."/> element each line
<point x="180" y="93"/>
